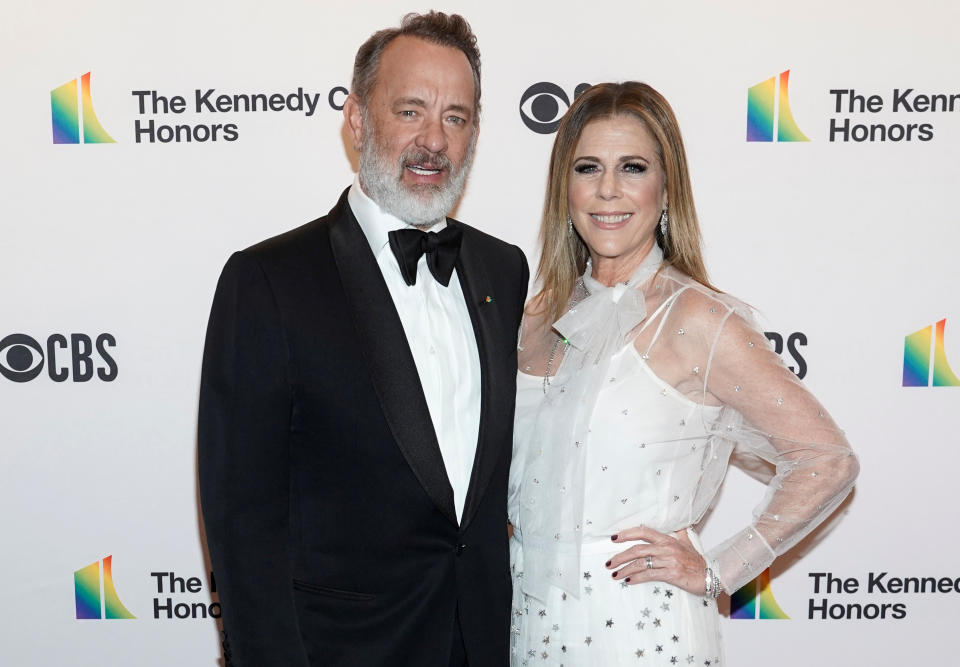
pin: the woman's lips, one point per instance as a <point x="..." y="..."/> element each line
<point x="614" y="220"/>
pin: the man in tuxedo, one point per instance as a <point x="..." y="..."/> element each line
<point x="357" y="394"/>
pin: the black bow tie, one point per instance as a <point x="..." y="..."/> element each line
<point x="441" y="249"/>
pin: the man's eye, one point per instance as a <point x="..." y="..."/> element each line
<point x="456" y="120"/>
<point x="408" y="113"/>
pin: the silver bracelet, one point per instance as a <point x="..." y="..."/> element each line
<point x="712" y="587"/>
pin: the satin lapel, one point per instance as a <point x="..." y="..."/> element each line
<point x="389" y="361"/>
<point x="474" y="278"/>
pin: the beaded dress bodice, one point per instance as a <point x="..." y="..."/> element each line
<point x="662" y="403"/>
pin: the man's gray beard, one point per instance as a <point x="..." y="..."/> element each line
<point x="382" y="182"/>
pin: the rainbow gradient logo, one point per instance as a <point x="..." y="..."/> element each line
<point x="755" y="600"/>
<point x="96" y="596"/>
<point x="67" y="108"/>
<point x="918" y="349"/>
<point x="768" y="111"/>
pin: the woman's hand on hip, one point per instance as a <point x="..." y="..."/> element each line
<point x="670" y="558"/>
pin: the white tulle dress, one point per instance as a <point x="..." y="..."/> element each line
<point x="628" y="417"/>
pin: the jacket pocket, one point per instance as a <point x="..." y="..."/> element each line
<point x="331" y="592"/>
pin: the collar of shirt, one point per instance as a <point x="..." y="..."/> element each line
<point x="374" y="221"/>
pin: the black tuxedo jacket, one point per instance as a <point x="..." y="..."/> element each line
<point x="329" y="516"/>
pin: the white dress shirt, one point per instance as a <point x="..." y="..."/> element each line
<point x="440" y="334"/>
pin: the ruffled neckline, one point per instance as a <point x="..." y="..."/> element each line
<point x="647" y="267"/>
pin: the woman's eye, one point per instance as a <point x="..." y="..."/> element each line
<point x="585" y="168"/>
<point x="634" y="167"/>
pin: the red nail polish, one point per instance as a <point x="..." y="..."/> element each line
<point x="608" y="563"/>
<point x="627" y="580"/>
<point x="613" y="538"/>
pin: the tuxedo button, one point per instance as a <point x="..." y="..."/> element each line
<point x="460" y="548"/>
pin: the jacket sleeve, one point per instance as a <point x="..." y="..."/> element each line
<point x="524" y="284"/>
<point x="243" y="461"/>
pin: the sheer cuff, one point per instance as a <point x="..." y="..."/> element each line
<point x="740" y="558"/>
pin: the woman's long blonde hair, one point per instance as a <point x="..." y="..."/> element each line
<point x="563" y="256"/>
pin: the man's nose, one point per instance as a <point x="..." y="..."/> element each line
<point x="432" y="136"/>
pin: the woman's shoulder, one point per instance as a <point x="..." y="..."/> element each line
<point x="701" y="304"/>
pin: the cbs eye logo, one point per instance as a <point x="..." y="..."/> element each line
<point x="543" y="104"/>
<point x="22" y="357"/>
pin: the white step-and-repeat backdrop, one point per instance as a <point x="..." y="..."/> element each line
<point x="824" y="141"/>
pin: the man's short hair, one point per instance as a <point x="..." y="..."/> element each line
<point x="444" y="29"/>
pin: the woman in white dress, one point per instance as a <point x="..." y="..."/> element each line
<point x="637" y="381"/>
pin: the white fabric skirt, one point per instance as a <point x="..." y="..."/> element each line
<point x="612" y="623"/>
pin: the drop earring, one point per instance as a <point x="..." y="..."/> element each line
<point x="569" y="225"/>
<point x="664" y="220"/>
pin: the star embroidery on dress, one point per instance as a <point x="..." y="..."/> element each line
<point x="587" y="575"/>
<point x="641" y="625"/>
<point x="639" y="653"/>
<point x="659" y="648"/>
<point x="646" y="612"/>
<point x="656" y="590"/>
<point x="673" y="660"/>
<point x="668" y="593"/>
<point x="588" y="641"/>
<point x="609" y="622"/>
<point x="675" y="639"/>
<point x="656" y="622"/>
<point x="689" y="659"/>
<point x="542" y="613"/>
<point x="665" y="606"/>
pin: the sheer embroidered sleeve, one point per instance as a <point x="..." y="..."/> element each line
<point x="770" y="413"/>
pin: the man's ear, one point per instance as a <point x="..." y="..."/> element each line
<point x="353" y="115"/>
